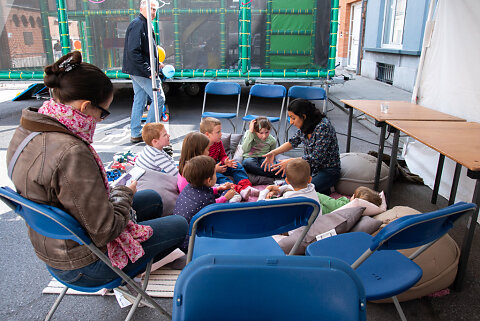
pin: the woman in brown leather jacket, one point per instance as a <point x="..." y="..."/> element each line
<point x="59" y="167"/>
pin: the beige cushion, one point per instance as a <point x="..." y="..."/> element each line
<point x="358" y="169"/>
<point x="370" y="208"/>
<point x="439" y="262"/>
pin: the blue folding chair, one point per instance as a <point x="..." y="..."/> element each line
<point x="305" y="92"/>
<point x="222" y="88"/>
<point x="384" y="271"/>
<point x="266" y="91"/>
<point x="246" y="228"/>
<point x="232" y="287"/>
<point x="54" y="223"/>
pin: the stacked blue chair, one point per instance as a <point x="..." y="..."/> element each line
<point x="246" y="228"/>
<point x="55" y="223"/>
<point x="225" y="89"/>
<point x="384" y="271"/>
<point x="266" y="91"/>
<point x="223" y="287"/>
<point x="305" y="92"/>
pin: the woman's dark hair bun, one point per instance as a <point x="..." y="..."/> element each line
<point x="65" y="64"/>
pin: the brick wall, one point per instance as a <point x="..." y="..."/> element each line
<point x="344" y="27"/>
<point x="25" y="41"/>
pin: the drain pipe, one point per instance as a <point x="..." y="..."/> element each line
<point x="427" y="37"/>
<point x="360" y="38"/>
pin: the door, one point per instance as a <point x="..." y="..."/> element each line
<point x="354" y="34"/>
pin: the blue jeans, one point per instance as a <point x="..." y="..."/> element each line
<point x="237" y="173"/>
<point x="142" y="87"/>
<point x="326" y="178"/>
<point x="253" y="165"/>
<point x="168" y="234"/>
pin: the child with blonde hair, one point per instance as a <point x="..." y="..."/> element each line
<point x="299" y="183"/>
<point x="197" y="144"/>
<point x="153" y="156"/>
<point x="256" y="143"/>
<point x="212" y="128"/>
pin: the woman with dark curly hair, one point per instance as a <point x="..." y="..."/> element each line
<point x="320" y="145"/>
<point x="59" y="167"/>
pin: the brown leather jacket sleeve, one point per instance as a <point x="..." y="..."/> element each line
<point x="80" y="188"/>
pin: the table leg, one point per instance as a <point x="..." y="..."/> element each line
<point x="393" y="163"/>
<point x="467" y="240"/>
<point x="349" y="129"/>
<point x="456" y="177"/>
<point x="438" y="178"/>
<point x="381" y="146"/>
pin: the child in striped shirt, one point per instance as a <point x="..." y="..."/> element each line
<point x="153" y="156"/>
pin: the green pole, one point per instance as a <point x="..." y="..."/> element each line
<point x="88" y="43"/>
<point x="223" y="31"/>
<point x="47" y="38"/>
<point x="131" y="10"/>
<point x="156" y="30"/>
<point x="313" y="38"/>
<point x="63" y="26"/>
<point x="333" y="39"/>
<point x="244" y="36"/>
<point x="176" y="32"/>
<point x="268" y="33"/>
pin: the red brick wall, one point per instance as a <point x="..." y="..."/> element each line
<point x="20" y="52"/>
<point x="344" y="27"/>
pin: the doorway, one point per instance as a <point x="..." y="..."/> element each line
<point x="354" y="34"/>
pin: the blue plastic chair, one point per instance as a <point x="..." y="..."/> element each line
<point x="54" y="223"/>
<point x="246" y="228"/>
<point x="384" y="271"/>
<point x="222" y="88"/>
<point x="266" y="91"/>
<point x="305" y="92"/>
<point x="230" y="287"/>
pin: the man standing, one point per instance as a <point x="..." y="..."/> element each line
<point x="136" y="63"/>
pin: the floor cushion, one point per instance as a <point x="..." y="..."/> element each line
<point x="439" y="262"/>
<point x="163" y="184"/>
<point x="358" y="169"/>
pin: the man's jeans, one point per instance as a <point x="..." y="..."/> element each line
<point x="142" y="87"/>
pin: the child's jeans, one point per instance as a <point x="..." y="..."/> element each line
<point x="238" y="174"/>
<point x="254" y="165"/>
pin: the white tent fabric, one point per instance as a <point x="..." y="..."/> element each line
<point x="449" y="83"/>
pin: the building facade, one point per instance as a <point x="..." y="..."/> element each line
<point x="393" y="40"/>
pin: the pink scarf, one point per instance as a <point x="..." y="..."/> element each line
<point x="127" y="244"/>
<point x="78" y="123"/>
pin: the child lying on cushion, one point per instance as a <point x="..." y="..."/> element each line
<point x="330" y="204"/>
<point x="299" y="183"/>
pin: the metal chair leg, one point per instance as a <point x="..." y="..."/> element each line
<point x="55" y="305"/>
<point x="399" y="308"/>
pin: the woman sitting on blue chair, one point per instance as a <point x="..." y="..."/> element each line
<point x="320" y="145"/>
<point x="59" y="167"/>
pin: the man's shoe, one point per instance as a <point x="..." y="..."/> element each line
<point x="134" y="140"/>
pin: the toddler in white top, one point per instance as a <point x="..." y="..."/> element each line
<point x="299" y="183"/>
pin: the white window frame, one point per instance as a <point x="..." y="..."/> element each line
<point x="391" y="21"/>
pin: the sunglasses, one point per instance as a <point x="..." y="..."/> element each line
<point x="104" y="113"/>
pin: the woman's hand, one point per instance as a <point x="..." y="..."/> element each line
<point x="133" y="186"/>
<point x="280" y="167"/>
<point x="268" y="162"/>
<point x="219" y="168"/>
<point x="251" y="126"/>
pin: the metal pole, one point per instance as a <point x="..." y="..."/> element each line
<point x="47" y="38"/>
<point x="88" y="53"/>
<point x="63" y="26"/>
<point x="153" y="65"/>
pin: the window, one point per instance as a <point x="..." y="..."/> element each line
<point x="28" y="38"/>
<point x="39" y="21"/>
<point x="394" y="22"/>
<point x="16" y="20"/>
<point x="32" y="22"/>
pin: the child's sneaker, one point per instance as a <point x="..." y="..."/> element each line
<point x="236" y="198"/>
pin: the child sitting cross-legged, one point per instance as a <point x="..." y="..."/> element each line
<point x="200" y="173"/>
<point x="153" y="156"/>
<point x="212" y="128"/>
<point x="299" y="183"/>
